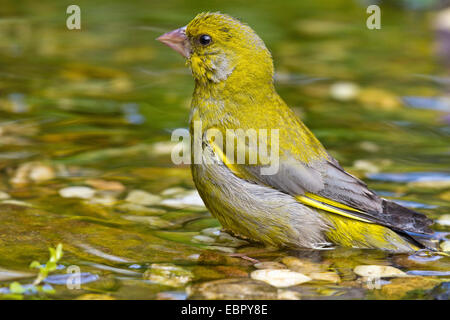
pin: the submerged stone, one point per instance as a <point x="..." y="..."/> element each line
<point x="77" y="192"/>
<point x="143" y="198"/>
<point x="374" y="271"/>
<point x="280" y="278"/>
<point x="232" y="289"/>
<point x="168" y="274"/>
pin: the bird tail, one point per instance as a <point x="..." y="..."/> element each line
<point x="428" y="242"/>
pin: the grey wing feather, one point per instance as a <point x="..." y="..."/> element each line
<point x="328" y="179"/>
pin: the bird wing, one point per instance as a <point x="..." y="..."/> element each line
<point x="325" y="185"/>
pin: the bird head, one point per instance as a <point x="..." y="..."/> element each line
<point x="218" y="47"/>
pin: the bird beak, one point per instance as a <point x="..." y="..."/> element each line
<point x="178" y="41"/>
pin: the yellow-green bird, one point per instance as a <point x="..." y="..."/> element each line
<point x="310" y="201"/>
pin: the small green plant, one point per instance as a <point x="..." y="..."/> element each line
<point x="51" y="265"/>
<point x="16" y="289"/>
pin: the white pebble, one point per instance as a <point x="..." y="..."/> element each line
<point x="4" y="195"/>
<point x="280" y="278"/>
<point x="77" y="192"/>
<point x="344" y="91"/>
<point x="444" y="220"/>
<point x="374" y="271"/>
<point x="189" y="199"/>
<point x="143" y="198"/>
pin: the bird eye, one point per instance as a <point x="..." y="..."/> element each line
<point x="204" y="39"/>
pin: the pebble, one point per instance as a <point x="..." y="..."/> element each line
<point x="289" y="295"/>
<point x="172" y="191"/>
<point x="105" y="185"/>
<point x="143" y="198"/>
<point x="445" y="246"/>
<point x="203" y="239"/>
<point x="444" y="220"/>
<point x="232" y="289"/>
<point x="42" y="173"/>
<point x="303" y="266"/>
<point x="222" y="249"/>
<point x="344" y="91"/>
<point x="164" y="148"/>
<point x="168" y="274"/>
<point x="4" y="195"/>
<point x="375" y="271"/>
<point x="189" y="199"/>
<point x="215" y="232"/>
<point x="33" y="171"/>
<point x="398" y="288"/>
<point x="369" y="146"/>
<point x="366" y="166"/>
<point x="77" y="192"/>
<point x="280" y="278"/>
<point x="228" y="240"/>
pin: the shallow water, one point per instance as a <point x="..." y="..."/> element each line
<point x="94" y="108"/>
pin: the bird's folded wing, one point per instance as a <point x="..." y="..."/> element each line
<point x="325" y="185"/>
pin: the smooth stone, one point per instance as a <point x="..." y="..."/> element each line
<point x="289" y="295"/>
<point x="303" y="266"/>
<point x="168" y="274"/>
<point x="33" y="171"/>
<point x="203" y="239"/>
<point x="444" y="220"/>
<point x="445" y="246"/>
<point x="344" y="91"/>
<point x="77" y="192"/>
<point x="105" y="185"/>
<point x="280" y="278"/>
<point x="215" y="232"/>
<point x="173" y="191"/>
<point x="189" y="199"/>
<point x="222" y="249"/>
<point x="399" y="288"/>
<point x="374" y="271"/>
<point x="42" y="173"/>
<point x="143" y="198"/>
<point x="232" y="289"/>
<point x="4" y="195"/>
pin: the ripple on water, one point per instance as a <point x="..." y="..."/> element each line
<point x="431" y="103"/>
<point x="62" y="279"/>
<point x="410" y="176"/>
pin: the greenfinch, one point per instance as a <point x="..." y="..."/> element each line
<point x="310" y="201"/>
